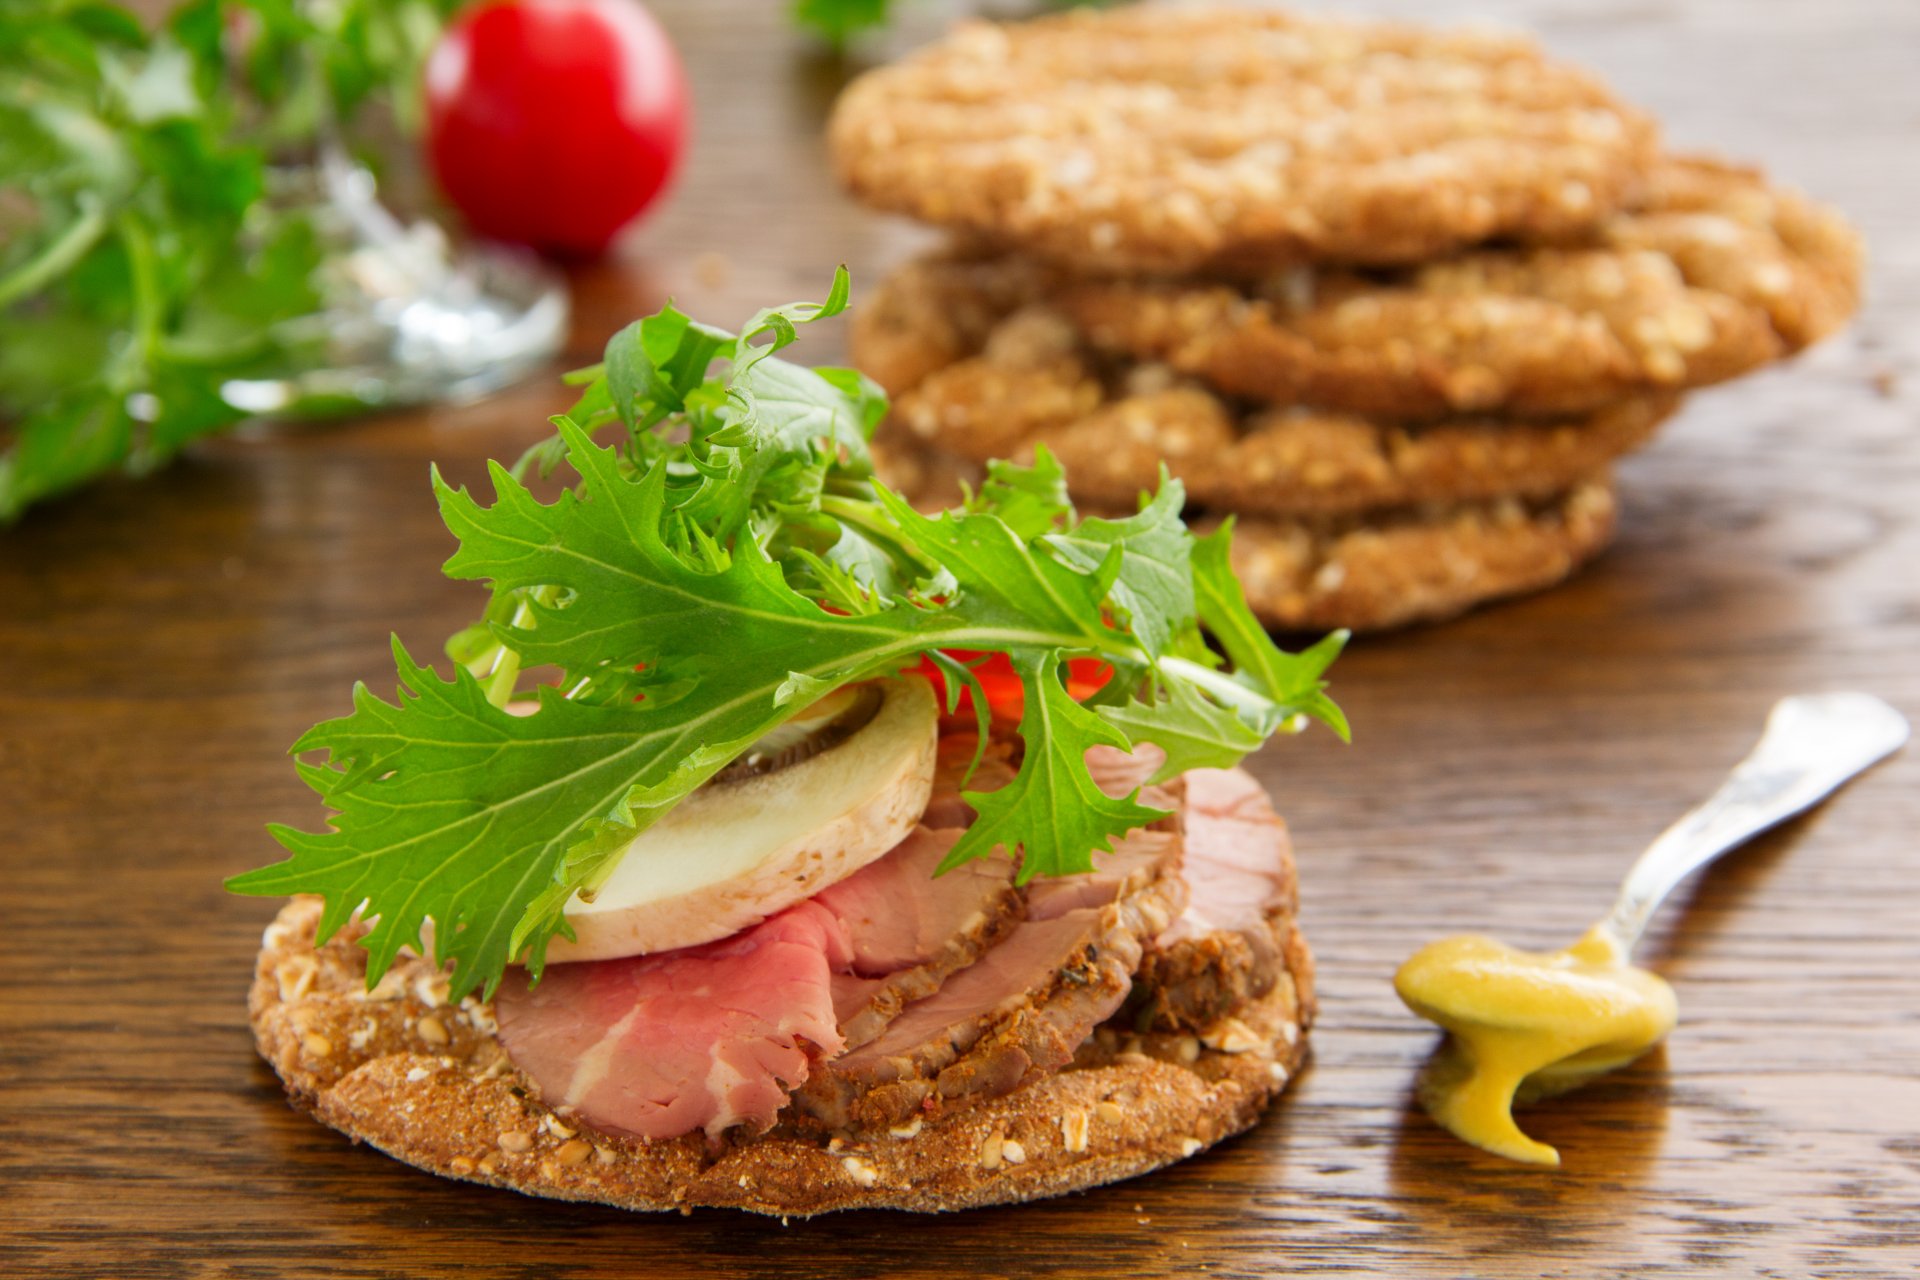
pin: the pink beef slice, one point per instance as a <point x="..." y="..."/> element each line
<point x="1018" y="1011"/>
<point x="941" y="989"/>
<point x="1237" y="934"/>
<point x="945" y="808"/>
<point x="910" y="929"/>
<point x="1119" y="773"/>
<point x="1131" y="863"/>
<point x="704" y="1037"/>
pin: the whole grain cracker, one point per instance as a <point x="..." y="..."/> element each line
<point x="1714" y="274"/>
<point x="1150" y="138"/>
<point x="1113" y="426"/>
<point x="1370" y="571"/>
<point x="1421" y="565"/>
<point x="448" y="1100"/>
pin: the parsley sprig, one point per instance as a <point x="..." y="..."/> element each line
<point x="840" y="22"/>
<point x="145" y="260"/>
<point x="723" y="557"/>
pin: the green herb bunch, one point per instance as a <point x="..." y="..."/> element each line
<point x="143" y="262"/>
<point x="839" y="22"/>
<point x="722" y="558"/>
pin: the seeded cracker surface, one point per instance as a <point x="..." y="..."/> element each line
<point x="1113" y="425"/>
<point x="1366" y="572"/>
<point x="1420" y="565"/>
<point x="427" y="1081"/>
<point x="1176" y="140"/>
<point x="1712" y="275"/>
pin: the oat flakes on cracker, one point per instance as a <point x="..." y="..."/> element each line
<point x="1114" y="425"/>
<point x="1365" y="571"/>
<point x="1426" y="564"/>
<point x="1714" y="274"/>
<point x="1183" y="139"/>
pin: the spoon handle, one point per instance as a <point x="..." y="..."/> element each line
<point x="1812" y="744"/>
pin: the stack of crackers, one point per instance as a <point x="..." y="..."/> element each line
<point x="1393" y="298"/>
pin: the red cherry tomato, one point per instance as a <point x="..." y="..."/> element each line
<point x="553" y="123"/>
<point x="1005" y="697"/>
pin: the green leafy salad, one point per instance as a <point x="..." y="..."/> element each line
<point x="144" y="259"/>
<point x="722" y="558"/>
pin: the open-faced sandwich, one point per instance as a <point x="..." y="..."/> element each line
<point x="776" y="846"/>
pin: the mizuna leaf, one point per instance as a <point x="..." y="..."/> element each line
<point x="1287" y="680"/>
<point x="1155" y="582"/>
<point x="723" y="564"/>
<point x="1195" y="732"/>
<point x="450" y="809"/>
<point x="1051" y="815"/>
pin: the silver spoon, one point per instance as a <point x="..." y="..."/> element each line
<point x="1813" y="743"/>
<point x="1508" y="1045"/>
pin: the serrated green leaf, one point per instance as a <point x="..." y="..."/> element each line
<point x="1289" y="681"/>
<point x="1051" y="815"/>
<point x="1000" y="577"/>
<point x="449" y="806"/>
<point x="1031" y="499"/>
<point x="1155" y="582"/>
<point x="695" y="591"/>
<point x="1194" y="731"/>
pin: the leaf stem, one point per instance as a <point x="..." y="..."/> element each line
<point x="862" y="515"/>
<point x="62" y="252"/>
<point x="1222" y="686"/>
<point x="144" y="272"/>
<point x="505" y="672"/>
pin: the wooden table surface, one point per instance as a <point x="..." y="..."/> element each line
<point x="163" y="643"/>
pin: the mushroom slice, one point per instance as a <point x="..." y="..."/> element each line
<point x="807" y="806"/>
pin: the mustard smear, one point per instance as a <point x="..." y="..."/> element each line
<point x="1527" y="1023"/>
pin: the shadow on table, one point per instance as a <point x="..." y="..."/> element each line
<point x="1609" y="1135"/>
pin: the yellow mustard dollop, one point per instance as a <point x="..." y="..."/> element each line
<point x="1527" y="1023"/>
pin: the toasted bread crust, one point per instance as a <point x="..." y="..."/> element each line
<point x="428" y="1083"/>
<point x="1177" y="140"/>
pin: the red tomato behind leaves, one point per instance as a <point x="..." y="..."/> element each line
<point x="554" y="123"/>
<point x="1005" y="697"/>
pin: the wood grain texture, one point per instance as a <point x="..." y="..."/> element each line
<point x="163" y="643"/>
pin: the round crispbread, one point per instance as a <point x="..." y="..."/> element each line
<point x="1113" y="425"/>
<point x="427" y="1081"/>
<point x="1370" y="571"/>
<point x="1426" y="564"/>
<point x="1713" y="274"/>
<point x="1164" y="139"/>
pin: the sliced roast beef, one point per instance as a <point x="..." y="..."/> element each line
<point x="1020" y="1009"/>
<point x="910" y="929"/>
<point x="996" y="768"/>
<point x="1228" y="946"/>
<point x="1120" y="773"/>
<point x="893" y="993"/>
<point x="705" y="1037"/>
<point x="709" y="1037"/>
<point x="1132" y="864"/>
